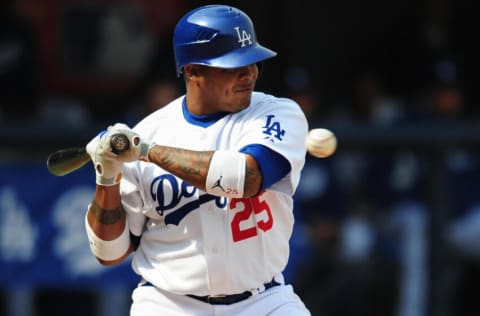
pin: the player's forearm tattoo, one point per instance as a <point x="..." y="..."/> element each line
<point x="190" y="165"/>
<point x="106" y="217"/>
<point x="186" y="161"/>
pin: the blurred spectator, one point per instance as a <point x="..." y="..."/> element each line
<point x="381" y="240"/>
<point x="158" y="85"/>
<point x="369" y="102"/>
<point x="372" y="103"/>
<point x="162" y="61"/>
<point x="314" y="235"/>
<point x="445" y="103"/>
<point x="320" y="208"/>
<point x="395" y="182"/>
<point x="153" y="96"/>
<point x="19" y="82"/>
<point x="61" y="109"/>
<point x="160" y="93"/>
<point x="299" y="86"/>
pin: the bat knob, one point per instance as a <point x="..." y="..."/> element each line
<point x="119" y="143"/>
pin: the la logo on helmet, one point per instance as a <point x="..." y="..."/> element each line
<point x="243" y="37"/>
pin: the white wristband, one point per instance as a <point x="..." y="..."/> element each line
<point x="226" y="174"/>
<point x="108" y="249"/>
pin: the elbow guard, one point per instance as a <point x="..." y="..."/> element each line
<point x="108" y="249"/>
<point x="226" y="174"/>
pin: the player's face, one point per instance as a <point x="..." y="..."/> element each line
<point x="227" y="90"/>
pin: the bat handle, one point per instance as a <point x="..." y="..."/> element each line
<point x="119" y="143"/>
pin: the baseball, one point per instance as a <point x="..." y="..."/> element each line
<point x="321" y="142"/>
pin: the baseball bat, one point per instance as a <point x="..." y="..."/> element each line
<point x="65" y="161"/>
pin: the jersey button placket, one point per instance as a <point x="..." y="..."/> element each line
<point x="214" y="249"/>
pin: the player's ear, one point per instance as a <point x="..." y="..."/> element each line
<point x="190" y="70"/>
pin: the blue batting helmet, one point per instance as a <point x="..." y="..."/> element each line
<point x="217" y="36"/>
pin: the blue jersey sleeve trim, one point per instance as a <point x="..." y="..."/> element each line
<point x="272" y="165"/>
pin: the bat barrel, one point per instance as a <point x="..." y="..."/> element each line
<point x="67" y="160"/>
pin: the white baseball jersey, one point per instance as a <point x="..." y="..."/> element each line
<point x="196" y="243"/>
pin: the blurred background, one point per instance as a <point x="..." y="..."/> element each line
<point x="388" y="225"/>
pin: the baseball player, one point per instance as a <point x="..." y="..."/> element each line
<point x="203" y="196"/>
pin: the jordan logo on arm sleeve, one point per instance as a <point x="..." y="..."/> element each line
<point x="218" y="184"/>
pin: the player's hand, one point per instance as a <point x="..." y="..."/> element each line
<point x="138" y="149"/>
<point x="108" y="168"/>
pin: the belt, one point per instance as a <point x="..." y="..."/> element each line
<point x="230" y="299"/>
